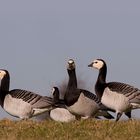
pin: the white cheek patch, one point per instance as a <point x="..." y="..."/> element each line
<point x="71" y="64"/>
<point x="2" y="74"/>
<point x="70" y="61"/>
<point x="98" y="64"/>
<point x="53" y="90"/>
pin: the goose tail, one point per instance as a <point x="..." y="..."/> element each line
<point x="135" y="105"/>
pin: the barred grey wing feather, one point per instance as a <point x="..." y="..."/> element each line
<point x="34" y="99"/>
<point x="135" y="98"/>
<point x="132" y="93"/>
<point x="43" y="102"/>
<point x="91" y="96"/>
<point x="121" y="88"/>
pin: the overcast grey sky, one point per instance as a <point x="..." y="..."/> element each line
<point x="38" y="37"/>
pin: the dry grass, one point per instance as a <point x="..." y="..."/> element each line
<point x="78" y="130"/>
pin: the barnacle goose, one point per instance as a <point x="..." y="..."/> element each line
<point x="81" y="102"/>
<point x="60" y="113"/>
<point x="56" y="97"/>
<point x="21" y="103"/>
<point x="117" y="96"/>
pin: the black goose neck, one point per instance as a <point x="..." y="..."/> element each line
<point x="56" y="97"/>
<point x="101" y="81"/>
<point x="72" y="79"/>
<point x="4" y="88"/>
<point x="5" y="83"/>
<point x="102" y="75"/>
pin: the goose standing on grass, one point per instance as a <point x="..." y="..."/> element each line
<point x="117" y="96"/>
<point x="21" y="103"/>
<point x="60" y="113"/>
<point x="81" y="102"/>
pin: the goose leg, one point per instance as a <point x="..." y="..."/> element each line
<point x="24" y="119"/>
<point x="77" y="117"/>
<point x="128" y="114"/>
<point x="118" y="116"/>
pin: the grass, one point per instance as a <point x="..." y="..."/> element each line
<point x="77" y="130"/>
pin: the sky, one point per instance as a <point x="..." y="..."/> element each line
<point x="37" y="38"/>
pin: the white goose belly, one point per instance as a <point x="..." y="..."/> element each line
<point x="84" y="107"/>
<point x="115" y="101"/>
<point x="17" y="107"/>
<point x="62" y="115"/>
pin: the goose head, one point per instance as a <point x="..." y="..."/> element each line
<point x="97" y="64"/>
<point x="55" y="93"/>
<point x="5" y="80"/>
<point x="3" y="73"/>
<point x="71" y="64"/>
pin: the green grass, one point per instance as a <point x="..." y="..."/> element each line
<point x="77" y="130"/>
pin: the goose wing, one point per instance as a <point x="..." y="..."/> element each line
<point x="35" y="100"/>
<point x="132" y="93"/>
<point x="90" y="95"/>
<point x="103" y="109"/>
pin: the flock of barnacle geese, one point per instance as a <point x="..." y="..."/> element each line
<point x="77" y="103"/>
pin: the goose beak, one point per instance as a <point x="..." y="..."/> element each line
<point x="90" y="65"/>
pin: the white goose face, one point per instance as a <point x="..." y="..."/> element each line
<point x="71" y="64"/>
<point x="71" y="61"/>
<point x="97" y="64"/>
<point x="2" y="74"/>
<point x="53" y="90"/>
